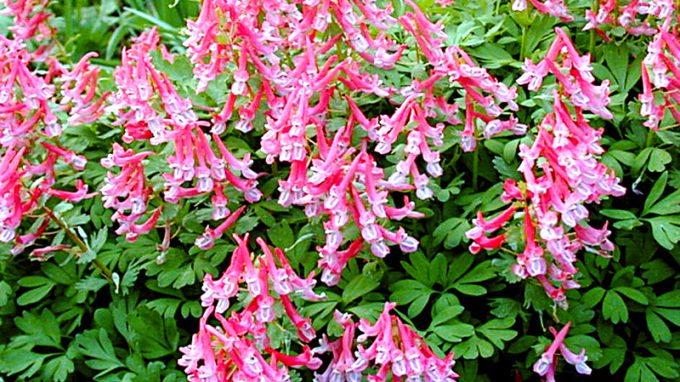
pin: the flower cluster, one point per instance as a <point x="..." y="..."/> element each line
<point x="78" y="87"/>
<point x="30" y="21"/>
<point x="127" y="192"/>
<point x="239" y="348"/>
<point x="560" y="174"/>
<point x="612" y="13"/>
<point x="149" y="107"/>
<point x="547" y="363"/>
<point x="577" y="85"/>
<point x="396" y="349"/>
<point x="29" y="126"/>
<point x="333" y="179"/>
<point x="282" y="56"/>
<point x="660" y="89"/>
<point x="555" y="8"/>
<point x="633" y="16"/>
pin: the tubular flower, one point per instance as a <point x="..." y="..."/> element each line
<point x="578" y="84"/>
<point x="555" y="8"/>
<point x="636" y="17"/>
<point x="128" y="192"/>
<point x="661" y="78"/>
<point x="547" y="363"/>
<point x="30" y="127"/>
<point x="395" y="349"/>
<point x="254" y="47"/>
<point x="239" y="349"/>
<point x="561" y="174"/>
<point x="149" y="108"/>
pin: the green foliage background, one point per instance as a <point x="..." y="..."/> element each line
<point x="61" y="321"/>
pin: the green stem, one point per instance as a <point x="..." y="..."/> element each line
<point x="106" y="272"/>
<point x="475" y="168"/>
<point x="523" y="43"/>
<point x="650" y="138"/>
<point x="591" y="45"/>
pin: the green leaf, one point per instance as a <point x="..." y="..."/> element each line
<point x="34" y="295"/>
<point x="481" y="272"/>
<point x="617" y="60"/>
<point x="593" y="296"/>
<point x="417" y="267"/>
<point x="639" y="372"/>
<point x="656" y="271"/>
<point x="522" y="344"/>
<point x="473" y="348"/>
<point x="493" y="56"/>
<point x="406" y="291"/>
<point x="666" y="230"/>
<point x="41" y="330"/>
<point x="464" y="284"/>
<point x="13" y="361"/>
<point x="437" y="268"/>
<point x="668" y="205"/>
<point x="665" y="366"/>
<point x="91" y="283"/>
<point x="95" y="345"/>
<point x="654" y="194"/>
<point x="658" y="328"/>
<point x="5" y="292"/>
<point x="618" y="214"/>
<point x="669" y="300"/>
<point x="33" y="281"/>
<point x="497" y="331"/>
<point x="446" y="314"/>
<point x="418" y="305"/>
<point x="281" y="235"/>
<point x="470" y="289"/>
<point x="450" y="231"/>
<point x="641" y="159"/>
<point x="633" y="294"/>
<point x="455" y="332"/>
<point x="613" y="308"/>
<point x="167" y="307"/>
<point x="658" y="160"/>
<point x="63" y="275"/>
<point x="359" y="286"/>
<point x="245" y="224"/>
<point x="672" y="315"/>
<point x="155" y="336"/>
<point x="505" y="307"/>
<point x="58" y="369"/>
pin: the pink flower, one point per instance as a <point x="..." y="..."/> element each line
<point x="73" y="196"/>
<point x="207" y="240"/>
<point x="395" y="347"/>
<point x="547" y="363"/>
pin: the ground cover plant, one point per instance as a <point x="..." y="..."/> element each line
<point x="336" y="190"/>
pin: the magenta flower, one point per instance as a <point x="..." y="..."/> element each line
<point x="240" y="346"/>
<point x="547" y="363"/>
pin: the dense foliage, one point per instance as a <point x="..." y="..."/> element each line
<point x="339" y="190"/>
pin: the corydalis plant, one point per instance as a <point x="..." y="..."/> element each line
<point x="556" y="8"/>
<point x="635" y="16"/>
<point x="30" y="101"/>
<point x="547" y="363"/>
<point x="661" y="77"/>
<point x="149" y="108"/>
<point x="240" y="348"/>
<point x="560" y="175"/>
<point x="314" y="62"/>
<point x="395" y="350"/>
